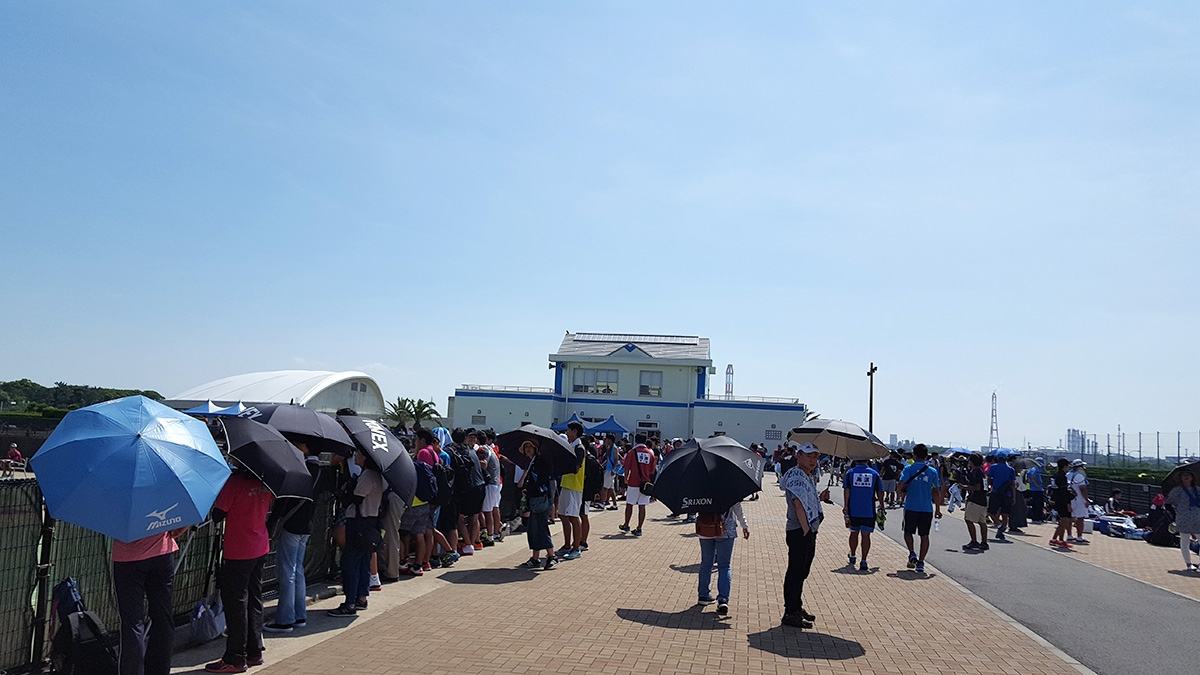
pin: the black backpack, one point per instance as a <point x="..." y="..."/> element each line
<point x="446" y="480"/>
<point x="82" y="646"/>
<point x="593" y="478"/>
<point x="461" y="465"/>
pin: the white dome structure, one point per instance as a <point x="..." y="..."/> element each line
<point x="321" y="390"/>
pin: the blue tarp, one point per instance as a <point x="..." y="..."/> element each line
<point x="608" y="426"/>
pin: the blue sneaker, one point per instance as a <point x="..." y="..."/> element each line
<point x="851" y="558"/>
<point x="570" y="555"/>
<point x="623" y="528"/>
<point x="637" y="532"/>
<point x="912" y="560"/>
<point x="863" y="565"/>
<point x="920" y="567"/>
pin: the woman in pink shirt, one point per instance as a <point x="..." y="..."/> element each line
<point x="143" y="572"/>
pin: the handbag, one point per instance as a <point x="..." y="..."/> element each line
<point x="647" y="487"/>
<point x="539" y="504"/>
<point x="207" y="621"/>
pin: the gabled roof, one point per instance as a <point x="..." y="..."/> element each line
<point x="683" y="347"/>
<point x="280" y="386"/>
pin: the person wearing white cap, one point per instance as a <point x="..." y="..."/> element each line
<point x="1077" y="478"/>
<point x="804" y="516"/>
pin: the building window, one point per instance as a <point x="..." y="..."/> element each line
<point x="774" y="435"/>
<point x="651" y="383"/>
<point x="594" y="381"/>
<point x="478" y="419"/>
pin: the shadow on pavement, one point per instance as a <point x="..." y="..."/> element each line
<point x="854" y="571"/>
<point x="911" y="575"/>
<point x="1185" y="573"/>
<point x="692" y="618"/>
<point x="489" y="575"/>
<point x="794" y="643"/>
<point x="694" y="568"/>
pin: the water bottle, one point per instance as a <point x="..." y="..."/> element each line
<point x="937" y="524"/>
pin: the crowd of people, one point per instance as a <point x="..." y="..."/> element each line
<point x="482" y="497"/>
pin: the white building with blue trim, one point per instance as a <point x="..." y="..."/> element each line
<point x="652" y="384"/>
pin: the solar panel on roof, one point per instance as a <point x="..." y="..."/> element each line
<point x="645" y="339"/>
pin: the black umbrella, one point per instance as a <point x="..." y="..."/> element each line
<point x="1023" y="463"/>
<point x="264" y="452"/>
<point x="709" y="475"/>
<point x="557" y="456"/>
<point x="1172" y="479"/>
<point x="320" y="432"/>
<point x="386" y="451"/>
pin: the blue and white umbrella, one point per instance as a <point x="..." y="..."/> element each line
<point x="130" y="468"/>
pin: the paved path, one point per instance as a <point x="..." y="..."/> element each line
<point x="629" y="606"/>
<point x="1111" y="623"/>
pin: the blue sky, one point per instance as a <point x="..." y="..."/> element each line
<point x="975" y="197"/>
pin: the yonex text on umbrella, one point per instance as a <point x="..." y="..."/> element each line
<point x="378" y="438"/>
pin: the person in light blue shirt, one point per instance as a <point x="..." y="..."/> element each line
<point x="920" y="487"/>
<point x="1035" y="477"/>
<point x="862" y="490"/>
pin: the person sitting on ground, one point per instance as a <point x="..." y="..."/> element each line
<point x="1113" y="507"/>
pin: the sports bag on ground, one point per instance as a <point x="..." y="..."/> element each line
<point x="82" y="646"/>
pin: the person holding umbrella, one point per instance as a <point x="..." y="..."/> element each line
<point x="717" y="533"/>
<point x="1185" y="499"/>
<point x="536" y="484"/>
<point x="362" y="537"/>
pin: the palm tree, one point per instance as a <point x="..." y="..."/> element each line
<point x="810" y="415"/>
<point x="411" y="412"/>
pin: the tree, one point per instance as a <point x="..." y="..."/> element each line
<point x="411" y="412"/>
<point x="810" y="415"/>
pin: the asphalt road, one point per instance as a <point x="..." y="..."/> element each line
<point x="1110" y="623"/>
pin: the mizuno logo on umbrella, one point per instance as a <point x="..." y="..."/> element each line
<point x="160" y="518"/>
<point x="378" y="435"/>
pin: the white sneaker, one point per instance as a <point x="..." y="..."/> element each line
<point x="375" y="580"/>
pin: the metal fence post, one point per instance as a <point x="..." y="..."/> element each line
<point x="43" y="590"/>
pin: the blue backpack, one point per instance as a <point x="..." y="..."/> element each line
<point x="427" y="484"/>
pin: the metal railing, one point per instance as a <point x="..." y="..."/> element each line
<point x="504" y="388"/>
<point x="754" y="399"/>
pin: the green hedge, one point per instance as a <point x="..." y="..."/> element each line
<point x="1149" y="475"/>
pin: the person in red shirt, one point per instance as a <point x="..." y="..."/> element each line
<point x="243" y="504"/>
<point x="640" y="465"/>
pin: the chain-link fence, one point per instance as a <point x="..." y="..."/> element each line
<point x="20" y="532"/>
<point x="87" y="556"/>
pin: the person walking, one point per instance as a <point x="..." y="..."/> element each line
<point x="862" y="489"/>
<point x="1185" y="499"/>
<point x="804" y="516"/>
<point x="919" y="486"/>
<point x="975" y="510"/>
<point x="717" y="533"/>
<point x="1003" y="479"/>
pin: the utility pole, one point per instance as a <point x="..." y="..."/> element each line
<point x="871" y="399"/>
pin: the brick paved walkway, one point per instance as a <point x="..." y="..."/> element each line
<point x="629" y="606"/>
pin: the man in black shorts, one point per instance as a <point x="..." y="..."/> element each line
<point x="471" y="493"/>
<point x="920" y="486"/>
